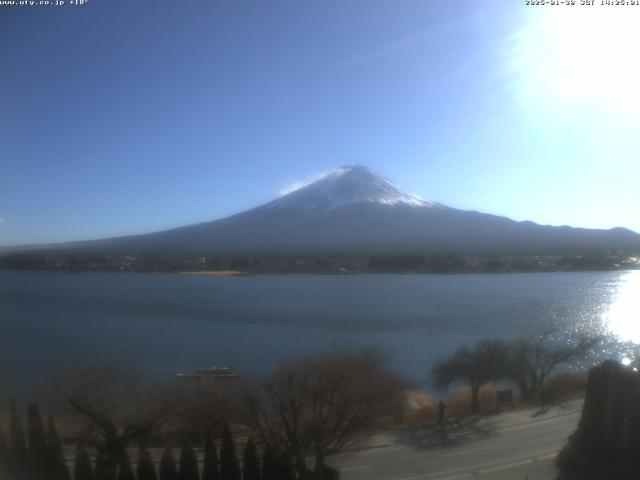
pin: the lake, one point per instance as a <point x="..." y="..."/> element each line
<point x="170" y="323"/>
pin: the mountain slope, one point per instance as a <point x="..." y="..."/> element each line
<point x="352" y="210"/>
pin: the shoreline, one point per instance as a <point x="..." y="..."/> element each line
<point x="238" y="273"/>
<point x="215" y="273"/>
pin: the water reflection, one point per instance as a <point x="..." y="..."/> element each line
<point x="623" y="316"/>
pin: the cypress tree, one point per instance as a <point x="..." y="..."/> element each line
<point x="188" y="463"/>
<point x="82" y="469"/>
<point x="286" y="470"/>
<point x="125" y="472"/>
<point x="251" y="462"/>
<point x="270" y="467"/>
<point x="18" y="452"/>
<point x="55" y="463"/>
<point x="105" y="467"/>
<point x="4" y="456"/>
<point x="145" y="470"/>
<point x="210" y="468"/>
<point x="36" y="440"/>
<point x="229" y="468"/>
<point x="168" y="470"/>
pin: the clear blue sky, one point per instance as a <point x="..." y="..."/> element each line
<point x="131" y="116"/>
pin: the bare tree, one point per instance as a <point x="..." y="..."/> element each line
<point x="477" y="365"/>
<point x="115" y="407"/>
<point x="202" y="414"/>
<point x="532" y="359"/>
<point x="313" y="407"/>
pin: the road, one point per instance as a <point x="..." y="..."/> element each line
<point x="516" y="445"/>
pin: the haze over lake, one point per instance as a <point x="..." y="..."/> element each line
<point x="169" y="323"/>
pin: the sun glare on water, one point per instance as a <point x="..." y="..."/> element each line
<point x="623" y="316"/>
<point x="581" y="53"/>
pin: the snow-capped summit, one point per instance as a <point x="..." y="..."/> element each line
<point x="349" y="185"/>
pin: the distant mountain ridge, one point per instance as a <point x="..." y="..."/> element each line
<point x="352" y="210"/>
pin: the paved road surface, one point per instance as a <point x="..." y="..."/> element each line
<point x="511" y="446"/>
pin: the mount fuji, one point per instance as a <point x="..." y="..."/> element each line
<point x="353" y="210"/>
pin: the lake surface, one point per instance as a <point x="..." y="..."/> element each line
<point x="171" y="323"/>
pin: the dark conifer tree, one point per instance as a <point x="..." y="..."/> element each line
<point x="18" y="451"/>
<point x="145" y="469"/>
<point x="56" y="466"/>
<point x="188" y="463"/>
<point x="168" y="470"/>
<point x="210" y="470"/>
<point x="270" y="467"/>
<point x="125" y="472"/>
<point x="82" y="469"/>
<point x="251" y="462"/>
<point x="4" y="456"/>
<point x="105" y="469"/>
<point x="286" y="470"/>
<point x="229" y="468"/>
<point x="37" y="441"/>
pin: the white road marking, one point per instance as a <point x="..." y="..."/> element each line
<point x="351" y="469"/>
<point x="532" y="423"/>
<point x="513" y="465"/>
<point x="470" y="450"/>
<point x="477" y="469"/>
<point x="368" y="451"/>
<point x="374" y="451"/>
